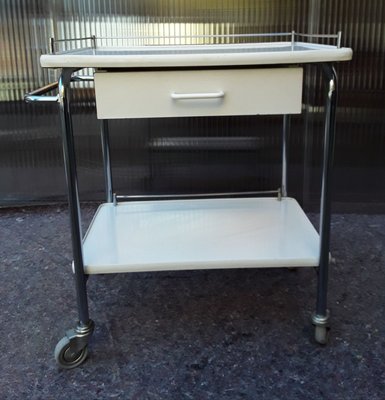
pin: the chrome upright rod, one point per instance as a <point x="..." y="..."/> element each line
<point x="73" y="194"/>
<point x="325" y="212"/>
<point x="105" y="136"/>
<point x="285" y="138"/>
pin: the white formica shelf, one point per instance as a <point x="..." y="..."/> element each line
<point x="196" y="55"/>
<point x="199" y="234"/>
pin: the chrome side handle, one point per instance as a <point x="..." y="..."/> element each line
<point x="37" y="96"/>
<point x="193" y="96"/>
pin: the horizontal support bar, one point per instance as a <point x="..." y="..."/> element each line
<point x="315" y="35"/>
<point x="73" y="39"/>
<point x="230" y="35"/>
<point x="193" y="195"/>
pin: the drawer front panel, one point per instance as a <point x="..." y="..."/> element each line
<point x="148" y="94"/>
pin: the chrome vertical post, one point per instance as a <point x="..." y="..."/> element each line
<point x="73" y="195"/>
<point x="105" y="136"/>
<point x="325" y="212"/>
<point x="285" y="138"/>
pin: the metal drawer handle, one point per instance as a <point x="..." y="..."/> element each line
<point x="193" y="96"/>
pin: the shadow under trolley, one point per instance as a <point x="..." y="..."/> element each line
<point x="204" y="231"/>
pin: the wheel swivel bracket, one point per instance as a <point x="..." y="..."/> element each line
<point x="321" y="320"/>
<point x="79" y="337"/>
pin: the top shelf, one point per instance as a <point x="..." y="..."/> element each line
<point x="125" y="53"/>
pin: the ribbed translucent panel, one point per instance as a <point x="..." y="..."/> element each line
<point x="359" y="173"/>
<point x="243" y="152"/>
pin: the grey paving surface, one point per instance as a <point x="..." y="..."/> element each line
<point x="234" y="334"/>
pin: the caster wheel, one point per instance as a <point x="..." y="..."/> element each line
<point x="321" y="334"/>
<point x="66" y="357"/>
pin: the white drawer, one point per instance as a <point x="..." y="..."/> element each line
<point x="147" y="94"/>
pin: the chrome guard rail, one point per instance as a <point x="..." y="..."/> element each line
<point x="38" y="95"/>
<point x="96" y="41"/>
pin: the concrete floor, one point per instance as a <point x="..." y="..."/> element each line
<point x="232" y="334"/>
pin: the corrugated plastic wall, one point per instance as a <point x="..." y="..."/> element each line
<point x="359" y="174"/>
<point x="30" y="148"/>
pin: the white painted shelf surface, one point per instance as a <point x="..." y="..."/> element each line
<point x="199" y="234"/>
<point x="196" y="55"/>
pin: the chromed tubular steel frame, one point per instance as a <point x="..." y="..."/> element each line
<point x="321" y="313"/>
<point x="105" y="136"/>
<point x="73" y="195"/>
<point x="325" y="208"/>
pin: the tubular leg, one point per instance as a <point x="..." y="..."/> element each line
<point x="321" y="316"/>
<point x="73" y="196"/>
<point x="105" y="136"/>
<point x="285" y="138"/>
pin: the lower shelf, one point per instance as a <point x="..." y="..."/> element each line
<point x="199" y="234"/>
